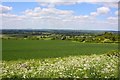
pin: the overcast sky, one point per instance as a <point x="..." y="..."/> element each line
<point x="75" y="15"/>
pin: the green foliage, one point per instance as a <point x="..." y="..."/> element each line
<point x="35" y="49"/>
<point x="106" y="37"/>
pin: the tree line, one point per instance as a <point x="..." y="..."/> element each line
<point x="105" y="37"/>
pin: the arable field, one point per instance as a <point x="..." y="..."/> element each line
<point x="36" y="49"/>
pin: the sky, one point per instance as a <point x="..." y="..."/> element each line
<point x="75" y="15"/>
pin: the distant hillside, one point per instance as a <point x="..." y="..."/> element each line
<point x="12" y="31"/>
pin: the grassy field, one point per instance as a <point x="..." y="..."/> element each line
<point x="35" y="49"/>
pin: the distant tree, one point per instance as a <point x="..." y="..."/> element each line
<point x="63" y="37"/>
<point x="107" y="35"/>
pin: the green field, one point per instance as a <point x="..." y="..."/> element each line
<point x="35" y="49"/>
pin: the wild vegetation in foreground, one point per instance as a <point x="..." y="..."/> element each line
<point x="93" y="66"/>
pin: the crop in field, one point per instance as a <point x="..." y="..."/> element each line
<point x="35" y="49"/>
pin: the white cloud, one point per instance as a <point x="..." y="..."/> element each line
<point x="53" y="4"/>
<point x="5" y="9"/>
<point x="54" y="1"/>
<point x="82" y="22"/>
<point x="103" y="10"/>
<point x="113" y="18"/>
<point x="110" y="4"/>
<point x="52" y="18"/>
<point x="100" y="11"/>
<point x="12" y="16"/>
<point x="82" y="17"/>
<point x="44" y="4"/>
<point x="37" y="9"/>
<point x="59" y="0"/>
<point x="116" y="12"/>
<point x="9" y="15"/>
<point x="94" y="14"/>
<point x="38" y="12"/>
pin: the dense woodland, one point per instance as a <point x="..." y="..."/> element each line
<point x="72" y="35"/>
